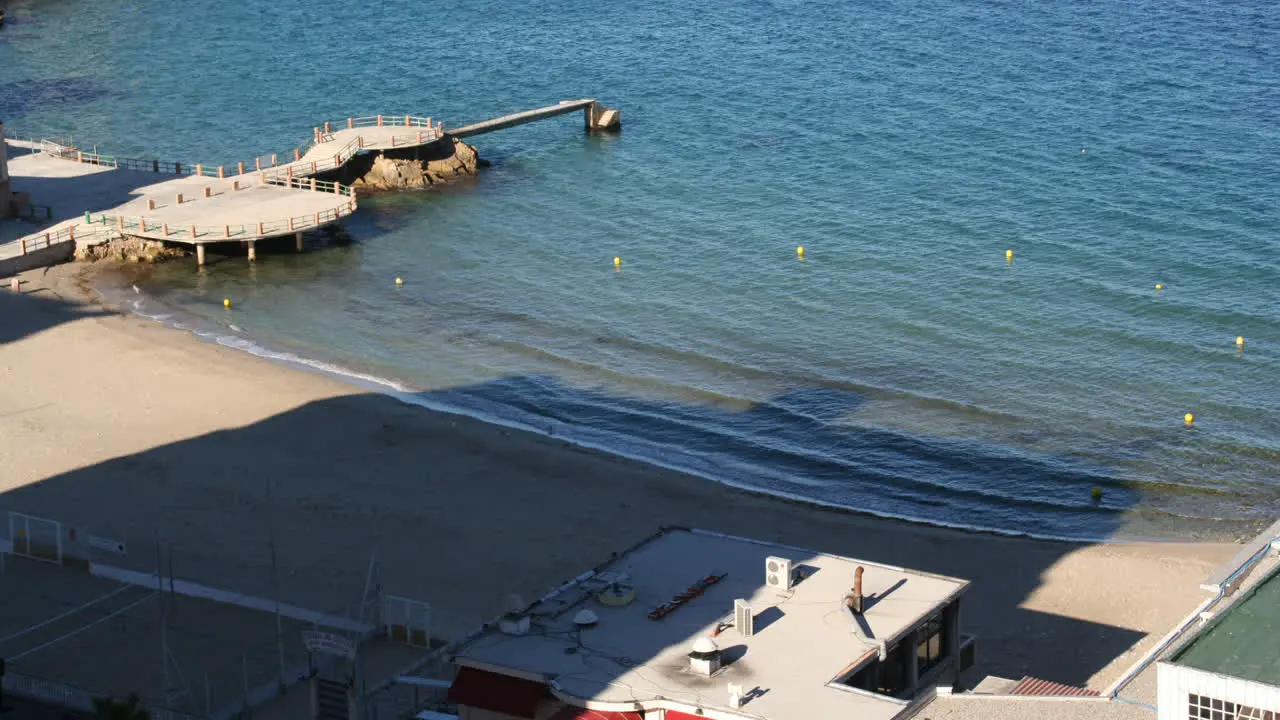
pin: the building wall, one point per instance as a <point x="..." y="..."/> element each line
<point x="1176" y="683"/>
<point x="546" y="708"/>
<point x="52" y="255"/>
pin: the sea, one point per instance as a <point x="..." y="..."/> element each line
<point x="1127" y="153"/>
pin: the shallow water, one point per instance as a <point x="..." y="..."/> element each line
<point x="902" y="368"/>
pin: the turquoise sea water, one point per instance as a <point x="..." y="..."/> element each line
<point x="902" y="368"/>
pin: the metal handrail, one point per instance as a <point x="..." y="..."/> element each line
<point x="390" y="121"/>
<point x="340" y="158"/>
<point x="152" y="228"/>
<point x="39" y="241"/>
<point x="28" y="211"/>
<point x="48" y="238"/>
<point x="65" y="148"/>
<point x="309" y="183"/>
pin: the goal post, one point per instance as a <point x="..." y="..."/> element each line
<point x="36" y="538"/>
<point x="407" y="621"/>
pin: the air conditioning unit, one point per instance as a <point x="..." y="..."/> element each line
<point x="743" y="619"/>
<point x="777" y="573"/>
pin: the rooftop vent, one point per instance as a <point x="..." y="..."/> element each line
<point x="777" y="573"/>
<point x="514" y="624"/>
<point x="735" y="696"/>
<point x="705" y="658"/>
<point x="585" y="619"/>
<point x="855" y="599"/>
<point x="743" y="619"/>
<point x="617" y="595"/>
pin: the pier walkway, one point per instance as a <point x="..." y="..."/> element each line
<point x="267" y="196"/>
<point x="595" y="117"/>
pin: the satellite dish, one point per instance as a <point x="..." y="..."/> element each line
<point x="585" y="618"/>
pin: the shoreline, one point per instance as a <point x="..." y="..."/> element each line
<point x="127" y="428"/>
<point x="367" y="381"/>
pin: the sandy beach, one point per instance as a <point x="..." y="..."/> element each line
<point x="128" y="429"/>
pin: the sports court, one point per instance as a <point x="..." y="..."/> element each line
<point x="68" y="636"/>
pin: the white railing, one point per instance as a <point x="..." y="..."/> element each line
<point x="390" y="121"/>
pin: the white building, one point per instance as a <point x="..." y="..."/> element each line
<point x="1229" y="669"/>
<point x="692" y="625"/>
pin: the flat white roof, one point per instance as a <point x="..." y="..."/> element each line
<point x="803" y="639"/>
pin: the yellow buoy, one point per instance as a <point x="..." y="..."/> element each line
<point x="226" y="302"/>
<point x="1159" y="286"/>
<point x="1189" y="419"/>
<point x="1008" y="255"/>
<point x="617" y="262"/>
<point x="399" y="281"/>
<point x="800" y="250"/>
<point x="1239" y="341"/>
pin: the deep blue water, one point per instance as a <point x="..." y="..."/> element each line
<point x="902" y="368"/>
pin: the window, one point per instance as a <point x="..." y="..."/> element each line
<point x="885" y="678"/>
<point x="932" y="647"/>
<point x="1202" y="707"/>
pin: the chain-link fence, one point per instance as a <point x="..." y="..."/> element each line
<point x="187" y="645"/>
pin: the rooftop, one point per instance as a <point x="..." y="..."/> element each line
<point x="1241" y="640"/>
<point x="803" y="639"/>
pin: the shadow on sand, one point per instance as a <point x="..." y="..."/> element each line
<point x="464" y="513"/>
<point x="33" y="311"/>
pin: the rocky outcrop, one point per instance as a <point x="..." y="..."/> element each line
<point x="129" y="249"/>
<point x="446" y="161"/>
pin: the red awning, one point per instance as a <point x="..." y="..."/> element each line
<point x="496" y="692"/>
<point x="569" y="712"/>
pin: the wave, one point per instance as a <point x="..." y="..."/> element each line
<point x="718" y="463"/>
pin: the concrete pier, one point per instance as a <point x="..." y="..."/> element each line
<point x="595" y="117"/>
<point x="198" y="204"/>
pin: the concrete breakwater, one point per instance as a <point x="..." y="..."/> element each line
<point x="445" y="161"/>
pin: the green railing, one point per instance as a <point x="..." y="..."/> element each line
<point x="31" y="211"/>
<point x="163" y="167"/>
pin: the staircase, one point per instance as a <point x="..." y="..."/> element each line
<point x="1047" y="688"/>
<point x="331" y="700"/>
